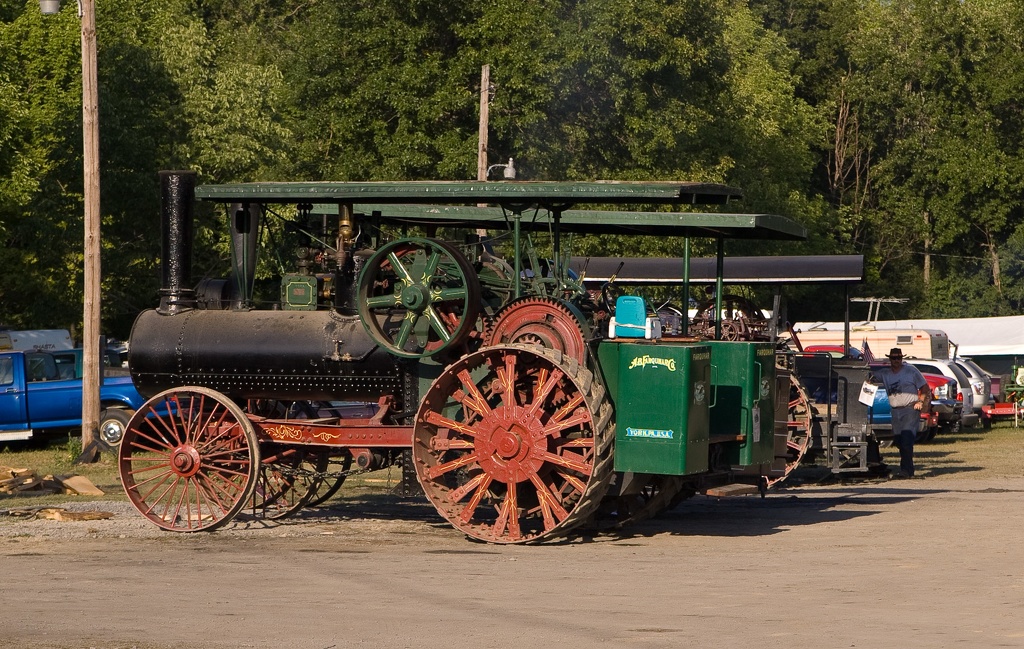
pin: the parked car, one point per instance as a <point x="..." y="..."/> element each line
<point x="881" y="419"/>
<point x="971" y="416"/>
<point x="879" y="415"/>
<point x="981" y="385"/>
<point x="939" y="417"/>
<point x="948" y="412"/>
<point x="69" y="363"/>
<point x="836" y="351"/>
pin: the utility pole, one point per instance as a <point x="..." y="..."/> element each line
<point x="481" y="144"/>
<point x="91" y="368"/>
<point x="485" y="115"/>
<point x="91" y="293"/>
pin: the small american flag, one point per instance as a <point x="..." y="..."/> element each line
<point x="868" y="356"/>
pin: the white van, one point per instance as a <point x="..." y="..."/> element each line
<point x="35" y="340"/>
<point x="922" y="343"/>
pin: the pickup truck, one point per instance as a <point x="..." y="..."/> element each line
<point x="38" y="396"/>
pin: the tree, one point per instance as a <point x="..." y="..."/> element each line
<point x="942" y="173"/>
<point x="169" y="98"/>
<point x="41" y="231"/>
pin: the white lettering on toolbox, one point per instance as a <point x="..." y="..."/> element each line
<point x="650" y="432"/>
<point x="644" y="361"/>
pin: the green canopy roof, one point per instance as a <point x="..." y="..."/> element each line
<point x="678" y="224"/>
<point x="804" y="269"/>
<point x="470" y="192"/>
<point x="454" y="203"/>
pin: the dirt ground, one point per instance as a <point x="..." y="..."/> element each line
<point x="919" y="563"/>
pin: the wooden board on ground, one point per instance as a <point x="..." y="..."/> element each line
<point x="58" y="514"/>
<point x="80" y="485"/>
<point x="732" y="490"/>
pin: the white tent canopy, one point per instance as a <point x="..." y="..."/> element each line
<point x="998" y="336"/>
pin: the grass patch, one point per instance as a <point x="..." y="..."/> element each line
<point x="972" y="454"/>
<point x="58" y="458"/>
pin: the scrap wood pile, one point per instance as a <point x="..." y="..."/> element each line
<point x="27" y="482"/>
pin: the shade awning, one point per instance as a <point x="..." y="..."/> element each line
<point x="547" y="193"/>
<point x="676" y="224"/>
<point x="814" y="269"/>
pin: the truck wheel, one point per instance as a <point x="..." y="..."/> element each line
<point x="113" y="422"/>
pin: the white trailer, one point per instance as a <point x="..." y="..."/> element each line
<point x="919" y="343"/>
<point x="35" y="340"/>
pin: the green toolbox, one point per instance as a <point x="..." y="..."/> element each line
<point x="743" y="400"/>
<point x="661" y="394"/>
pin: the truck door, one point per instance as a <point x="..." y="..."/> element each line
<point x="13" y="402"/>
<point x="52" y="402"/>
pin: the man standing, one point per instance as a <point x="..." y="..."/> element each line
<point x="908" y="398"/>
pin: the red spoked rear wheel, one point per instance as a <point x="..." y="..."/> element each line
<point x="288" y="478"/>
<point x="513" y="444"/>
<point x="189" y="459"/>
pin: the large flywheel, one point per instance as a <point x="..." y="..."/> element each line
<point x="543" y="321"/>
<point x="418" y="297"/>
<point x="513" y="444"/>
<point x="189" y="459"/>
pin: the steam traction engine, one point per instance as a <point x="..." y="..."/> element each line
<point x="524" y="405"/>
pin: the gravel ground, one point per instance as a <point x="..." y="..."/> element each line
<point x="910" y="563"/>
<point x="128" y="523"/>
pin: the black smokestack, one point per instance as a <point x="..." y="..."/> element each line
<point x="177" y="197"/>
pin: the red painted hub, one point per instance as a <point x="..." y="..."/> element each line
<point x="186" y="461"/>
<point x="511" y="450"/>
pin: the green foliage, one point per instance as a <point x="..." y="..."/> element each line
<point x="889" y="129"/>
<point x="65" y="455"/>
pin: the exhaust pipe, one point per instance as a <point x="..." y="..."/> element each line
<point x="177" y="197"/>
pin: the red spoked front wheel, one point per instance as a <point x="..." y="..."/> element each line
<point x="513" y="444"/>
<point x="189" y="459"/>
